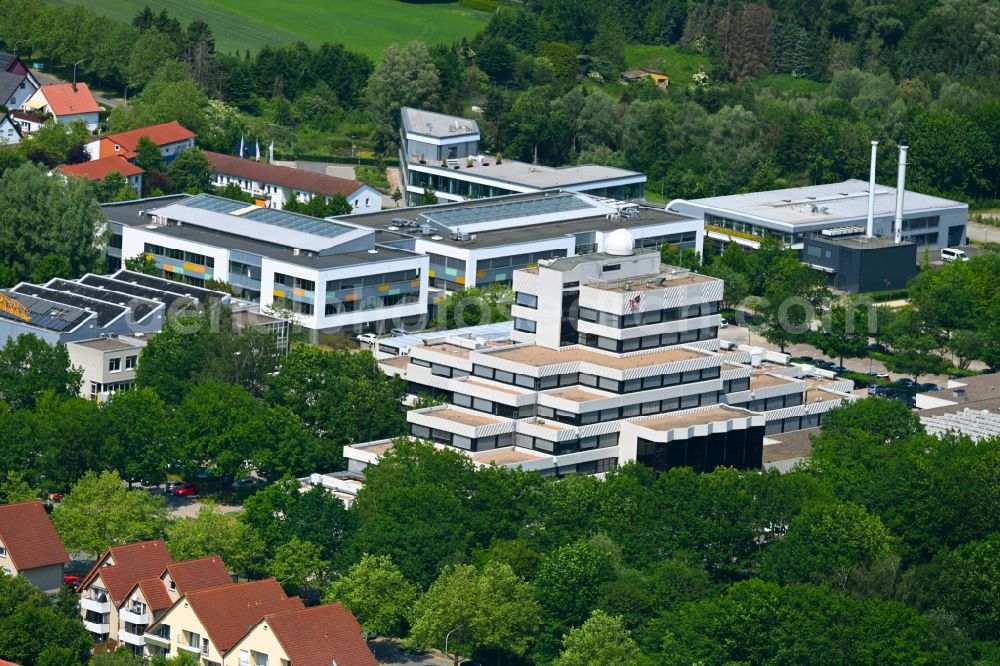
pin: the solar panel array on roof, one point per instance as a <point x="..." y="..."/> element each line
<point x="47" y="314"/>
<point x="168" y="285"/>
<point x="141" y="307"/>
<point x="106" y="312"/>
<point x="123" y="287"/>
<point x="295" y="222"/>
<point x="561" y="203"/>
<point x="215" y="204"/>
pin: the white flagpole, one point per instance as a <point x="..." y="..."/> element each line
<point x="270" y="153"/>
<point x="257" y="144"/>
<point x="241" y="146"/>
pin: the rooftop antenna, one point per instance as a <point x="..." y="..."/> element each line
<point x="900" y="191"/>
<point x="870" y="229"/>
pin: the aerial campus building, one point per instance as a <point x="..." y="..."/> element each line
<point x="441" y="153"/>
<point x="377" y="270"/>
<point x="612" y="358"/>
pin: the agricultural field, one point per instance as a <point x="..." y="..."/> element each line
<point x="367" y="26"/>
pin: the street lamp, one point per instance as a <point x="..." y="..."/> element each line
<point x="74" y="70"/>
<point x="448" y="636"/>
<point x="127" y="86"/>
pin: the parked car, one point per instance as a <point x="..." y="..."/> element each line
<point x="72" y="582"/>
<point x="399" y="331"/>
<point x="928" y="386"/>
<point x="906" y="381"/>
<point x="837" y="368"/>
<point x="184" y="489"/>
<point x="723" y="323"/>
<point x="367" y="339"/>
<point x="880" y="375"/>
<point x="248" y="482"/>
<point x="876" y="389"/>
<point x="876" y="347"/>
<point x="987" y="371"/>
<point x="951" y="254"/>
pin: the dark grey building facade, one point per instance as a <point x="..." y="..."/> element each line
<point x="859" y="264"/>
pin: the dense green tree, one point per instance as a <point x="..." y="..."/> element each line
<point x="298" y="565"/>
<point x="141" y="263"/>
<point x="824" y="543"/>
<point x="494" y="609"/>
<point x="378" y="594"/>
<point x="98" y="512"/>
<point x="214" y="532"/>
<point x="114" y="187"/>
<point x="963" y="581"/>
<point x="42" y="216"/>
<point x="190" y="171"/>
<point x="844" y="332"/>
<point x="405" y="77"/>
<point x="147" y="155"/>
<point x="29" y="367"/>
<point x="34" y="632"/>
<point x="137" y="440"/>
<point x="602" y="639"/>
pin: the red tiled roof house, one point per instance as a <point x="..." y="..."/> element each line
<point x="30" y="547"/>
<point x="67" y="102"/>
<point x="274" y="186"/>
<point x="171" y="138"/>
<point x="102" y="168"/>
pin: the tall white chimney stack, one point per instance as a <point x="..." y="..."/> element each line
<point x="900" y="191"/>
<point x="870" y="229"/>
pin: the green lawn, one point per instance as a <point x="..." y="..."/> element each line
<point x="667" y="59"/>
<point x="367" y="26"/>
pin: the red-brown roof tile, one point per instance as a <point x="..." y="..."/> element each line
<point x="161" y="135"/>
<point x="29" y="537"/>
<point x="200" y="574"/>
<point x="320" y="636"/>
<point x="226" y="612"/>
<point x="4" y="662"/>
<point x="297" y="179"/>
<point x="100" y="169"/>
<point x="132" y="562"/>
<point x="63" y="100"/>
<point x="155" y="593"/>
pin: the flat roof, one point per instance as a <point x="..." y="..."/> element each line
<point x="485" y="331"/>
<point x="437" y="125"/>
<point x="974" y="423"/>
<point x="789" y="445"/>
<point x="163" y="284"/>
<point x="50" y="315"/>
<point x="759" y="380"/>
<point x="861" y="242"/>
<point x="819" y="204"/>
<point x="129" y="212"/>
<point x="106" y="312"/>
<point x="141" y="307"/>
<point x="687" y="419"/>
<point x="543" y="356"/>
<point x="107" y="344"/>
<point x="122" y="286"/>
<point x="513" y="235"/>
<point x="486" y="211"/>
<point x="508" y="456"/>
<point x="464" y="416"/>
<point x="577" y="394"/>
<point x="535" y="176"/>
<point x="495" y="386"/>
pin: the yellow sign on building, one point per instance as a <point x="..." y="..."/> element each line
<point x="11" y="306"/>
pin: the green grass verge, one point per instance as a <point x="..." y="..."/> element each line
<point x="367" y="26"/>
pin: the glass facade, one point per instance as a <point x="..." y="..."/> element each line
<point x="750" y="230"/>
<point x="501" y="269"/>
<point x="372" y="292"/>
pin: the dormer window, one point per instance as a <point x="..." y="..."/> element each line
<point x="173" y="585"/>
<point x="117" y="147"/>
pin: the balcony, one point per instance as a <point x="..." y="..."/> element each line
<point x="132" y="639"/>
<point x="157" y="640"/>
<point x="97" y="628"/>
<point x="193" y="649"/>
<point x="133" y="617"/>
<point x="95" y="605"/>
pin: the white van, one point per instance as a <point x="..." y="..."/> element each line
<point x="948" y="254"/>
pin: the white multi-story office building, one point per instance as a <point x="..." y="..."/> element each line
<point x="441" y="153"/>
<point x="329" y="274"/>
<point x="613" y="358"/>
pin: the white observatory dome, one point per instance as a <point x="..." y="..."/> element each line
<point x="619" y="243"/>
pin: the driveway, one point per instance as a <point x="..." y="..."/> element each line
<point x="46" y="79"/>
<point x="387" y="651"/>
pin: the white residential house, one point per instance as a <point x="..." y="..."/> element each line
<point x="66" y="102"/>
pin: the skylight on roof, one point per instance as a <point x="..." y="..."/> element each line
<point x="213" y="203"/>
<point x="455" y="218"/>
<point x="296" y="222"/>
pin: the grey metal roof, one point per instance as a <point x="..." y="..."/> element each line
<point x="296" y="222"/>
<point x="202" y="295"/>
<point x="508" y="210"/>
<point x="6" y="60"/>
<point x="119" y="286"/>
<point x="129" y="213"/>
<point x="9" y="82"/>
<point x="831" y="203"/>
<point x="437" y="125"/>
<point x="535" y="176"/>
<point x="217" y="204"/>
<point x="498" y="331"/>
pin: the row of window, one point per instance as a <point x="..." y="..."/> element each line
<point x="356" y="282"/>
<point x="672" y="239"/>
<point x="294" y="282"/>
<point x="736" y="385"/>
<point x="792" y="424"/>
<point x="630" y="411"/>
<point x="751" y="229"/>
<point x="460" y="442"/>
<point x="930" y="222"/>
<point x="572" y="446"/>
<point x="246" y="270"/>
<point x="371" y="303"/>
<point x="767" y="404"/>
<point x="594" y="381"/>
<point x="645" y="318"/>
<point x="648" y="341"/>
<point x="490" y="407"/>
<point x="179" y="255"/>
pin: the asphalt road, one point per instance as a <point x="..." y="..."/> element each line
<point x="45" y="79"/>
